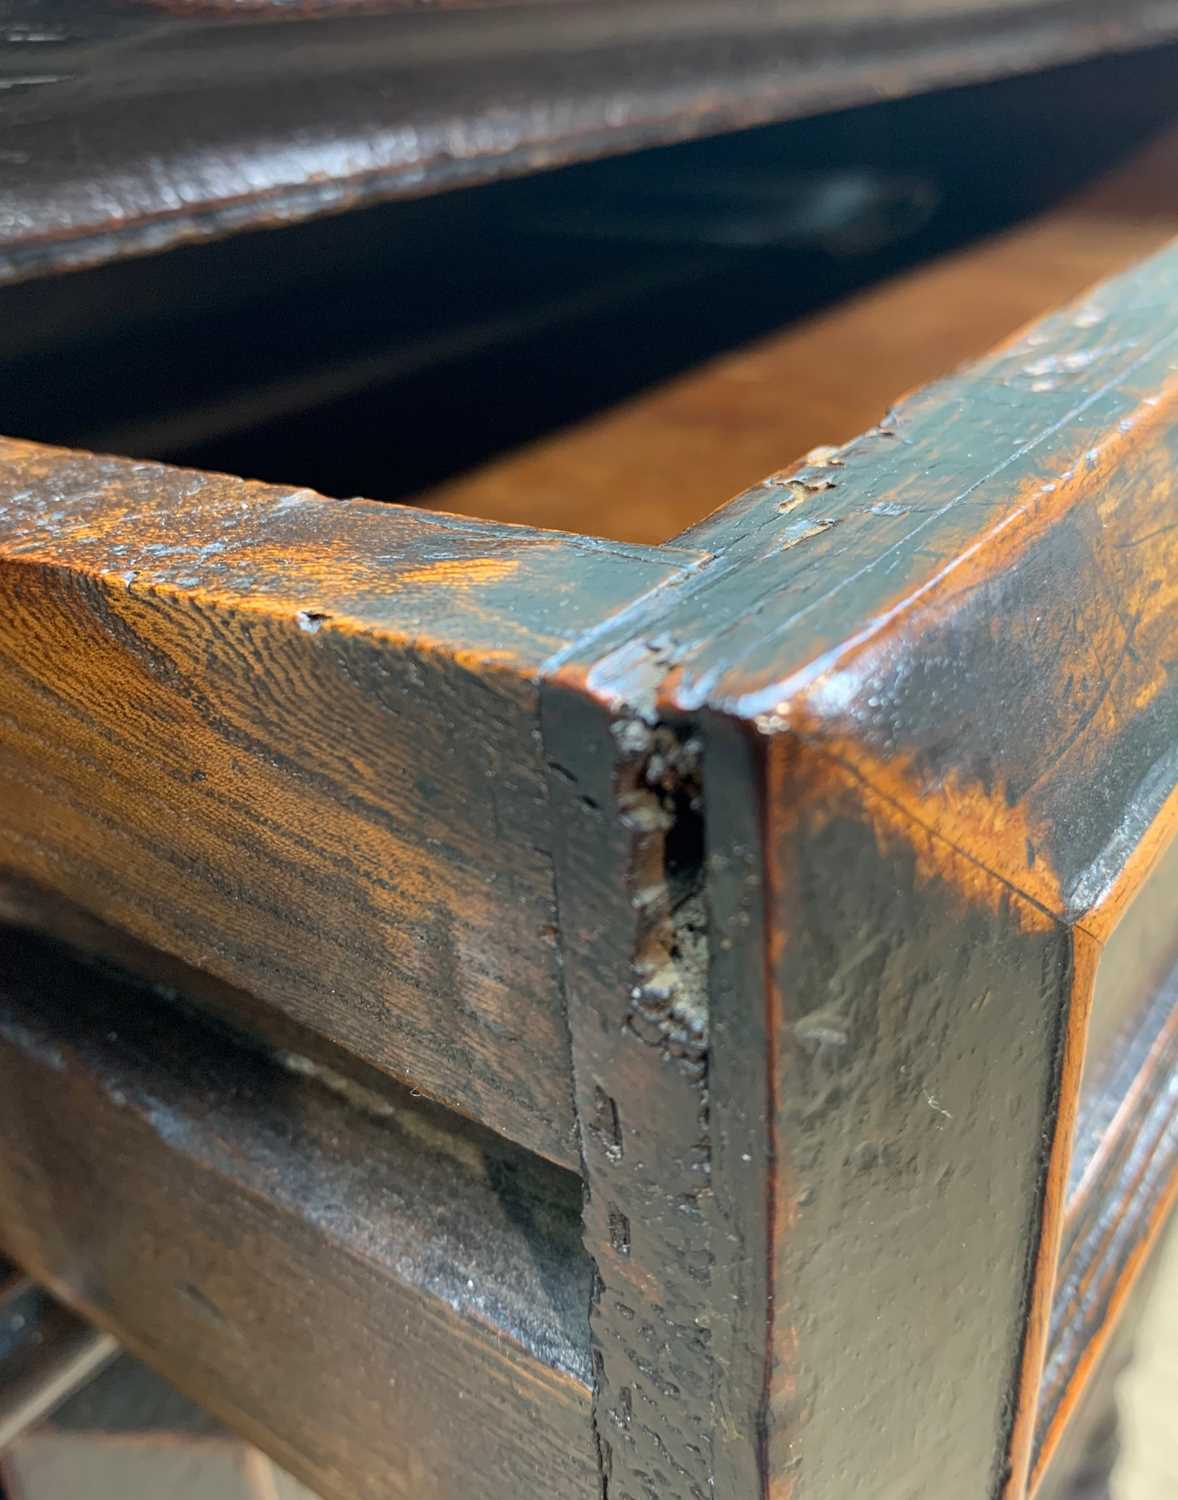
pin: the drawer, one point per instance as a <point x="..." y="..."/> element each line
<point x="795" y="878"/>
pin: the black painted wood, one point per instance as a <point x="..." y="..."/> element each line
<point x="821" y="829"/>
<point x="955" y="810"/>
<point x="148" y="124"/>
<point x="253" y="727"/>
<point x="387" y="1299"/>
<point x="627" y="799"/>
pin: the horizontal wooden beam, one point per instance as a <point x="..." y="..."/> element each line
<point x="135" y="127"/>
<point x="294" y="742"/>
<point x="723" y="426"/>
<point x="333" y="1274"/>
<point x="822" y="836"/>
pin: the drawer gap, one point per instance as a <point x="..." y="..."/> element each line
<point x="476" y="351"/>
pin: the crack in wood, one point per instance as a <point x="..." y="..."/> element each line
<point x="637" y="992"/>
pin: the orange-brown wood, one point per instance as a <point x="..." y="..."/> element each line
<point x="1120" y="1291"/>
<point x="1052" y="1216"/>
<point x="1122" y="1185"/>
<point x="787" y="866"/>
<point x="650" y="468"/>
<point x="947" y="642"/>
<point x="388" y="1299"/>
<point x="208" y="124"/>
<point x="293" y="742"/>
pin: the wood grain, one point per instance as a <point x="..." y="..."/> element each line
<point x="1111" y="480"/>
<point x="654" y="466"/>
<point x="945" y="647"/>
<point x="296" y="358"/>
<point x="1091" y="1459"/>
<point x="389" y="1302"/>
<point x="823" y="836"/>
<point x="294" y="743"/>
<point x="1122" y="1186"/>
<point x="626" y="798"/>
<point x="919" y="537"/>
<point x="132" y="129"/>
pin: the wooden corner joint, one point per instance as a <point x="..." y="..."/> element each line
<point x="636" y="974"/>
<point x="638" y="888"/>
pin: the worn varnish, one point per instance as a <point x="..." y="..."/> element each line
<point x="653" y="466"/>
<point x="628" y="798"/>
<point x="294" y="743"/>
<point x="132" y="127"/>
<point x="1121" y="1188"/>
<point x="1124" y="1171"/>
<point x="802" y="862"/>
<point x="920" y="773"/>
<point x="294" y="357"/>
<point x="1084" y="1464"/>
<point x="335" y="1275"/>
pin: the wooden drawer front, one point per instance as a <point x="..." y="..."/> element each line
<point x="773" y="880"/>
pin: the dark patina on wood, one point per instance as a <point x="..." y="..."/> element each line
<point x="292" y="742"/>
<point x="962" y="785"/>
<point x="627" y="799"/>
<point x="387" y="1299"/>
<point x="1121" y="1191"/>
<point x="832" y="819"/>
<point x="133" y="127"/>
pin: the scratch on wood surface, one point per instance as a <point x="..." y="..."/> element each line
<point x="803" y="533"/>
<point x="463" y="573"/>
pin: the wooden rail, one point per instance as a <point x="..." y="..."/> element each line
<point x="771" y="880"/>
